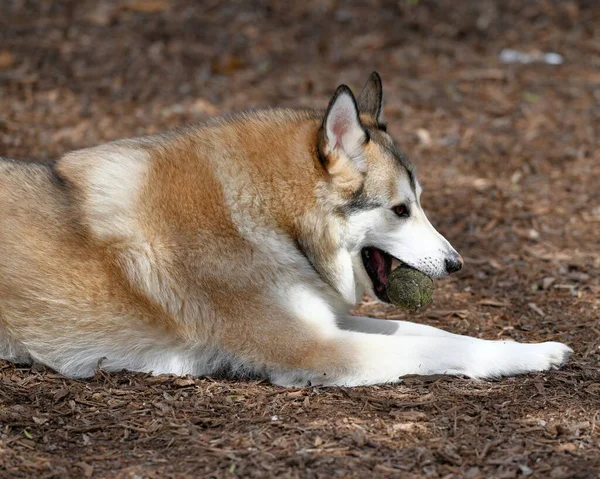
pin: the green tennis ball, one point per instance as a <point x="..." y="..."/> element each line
<point x="409" y="289"/>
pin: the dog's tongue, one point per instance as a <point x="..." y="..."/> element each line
<point x="380" y="263"/>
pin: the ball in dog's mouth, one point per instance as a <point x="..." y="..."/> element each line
<point x="405" y="287"/>
<point x="409" y="288"/>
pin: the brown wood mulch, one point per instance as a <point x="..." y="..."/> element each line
<point x="507" y="155"/>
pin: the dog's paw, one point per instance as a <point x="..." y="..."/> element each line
<point x="529" y="358"/>
<point x="508" y="358"/>
<point x="551" y="355"/>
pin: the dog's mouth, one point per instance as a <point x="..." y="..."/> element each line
<point x="379" y="265"/>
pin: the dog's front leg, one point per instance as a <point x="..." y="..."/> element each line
<point x="373" y="358"/>
<point x="431" y="350"/>
<point x="294" y="352"/>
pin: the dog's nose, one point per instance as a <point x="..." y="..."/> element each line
<point x="453" y="263"/>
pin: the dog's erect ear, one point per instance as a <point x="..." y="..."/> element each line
<point x="342" y="131"/>
<point x="370" y="99"/>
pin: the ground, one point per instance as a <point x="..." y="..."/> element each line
<point x="507" y="155"/>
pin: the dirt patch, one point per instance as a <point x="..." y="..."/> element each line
<point x="507" y="155"/>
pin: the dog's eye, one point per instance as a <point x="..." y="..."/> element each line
<point x="401" y="210"/>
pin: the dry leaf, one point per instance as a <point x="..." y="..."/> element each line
<point x="7" y="60"/>
<point x="494" y="303"/>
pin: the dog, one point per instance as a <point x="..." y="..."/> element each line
<point x="236" y="246"/>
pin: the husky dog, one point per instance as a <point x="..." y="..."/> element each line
<point x="236" y="245"/>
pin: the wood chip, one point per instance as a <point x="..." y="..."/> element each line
<point x="494" y="303"/>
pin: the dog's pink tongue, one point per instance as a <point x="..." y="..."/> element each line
<point x="378" y="259"/>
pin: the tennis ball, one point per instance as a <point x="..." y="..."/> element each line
<point x="409" y="289"/>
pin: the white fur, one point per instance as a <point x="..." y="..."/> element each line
<point x="312" y="309"/>
<point x="12" y="350"/>
<point x="115" y="175"/>
<point x="346" y="285"/>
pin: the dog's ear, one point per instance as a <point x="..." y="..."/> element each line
<point x="342" y="134"/>
<point x="370" y="99"/>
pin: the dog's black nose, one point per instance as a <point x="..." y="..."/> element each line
<point x="453" y="263"/>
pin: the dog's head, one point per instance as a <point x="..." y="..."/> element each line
<point x="378" y="194"/>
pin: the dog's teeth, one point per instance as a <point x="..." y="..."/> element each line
<point x="395" y="263"/>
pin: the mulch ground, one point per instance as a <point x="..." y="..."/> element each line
<point x="508" y="157"/>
